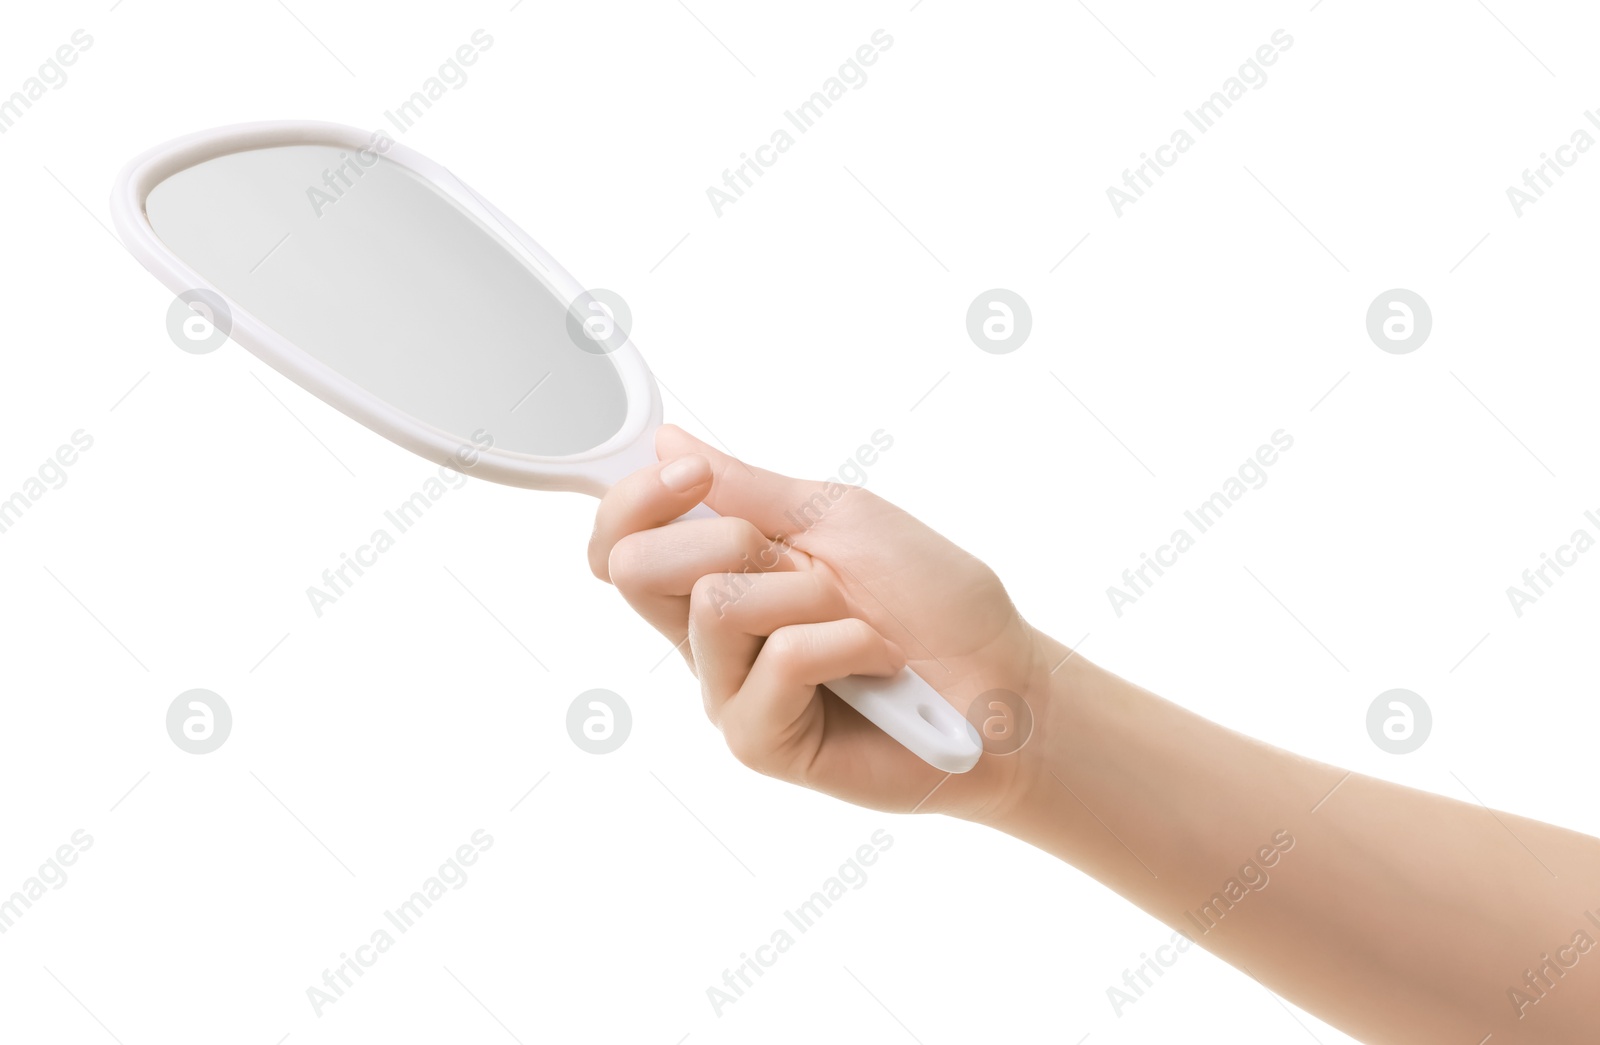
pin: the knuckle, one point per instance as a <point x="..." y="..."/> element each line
<point x="739" y="533"/>
<point x="626" y="564"/>
<point x="710" y="597"/>
<point x="789" y="648"/>
<point x="857" y="633"/>
<point x="744" y="545"/>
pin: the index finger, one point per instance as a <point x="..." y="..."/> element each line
<point x="652" y="496"/>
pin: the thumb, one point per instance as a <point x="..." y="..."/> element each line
<point x="776" y="504"/>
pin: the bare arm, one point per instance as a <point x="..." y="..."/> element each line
<point x="1396" y="915"/>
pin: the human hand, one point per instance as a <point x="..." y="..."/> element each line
<point x="801" y="582"/>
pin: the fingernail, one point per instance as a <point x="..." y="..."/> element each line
<point x="685" y="473"/>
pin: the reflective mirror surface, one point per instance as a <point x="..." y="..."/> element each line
<point x="368" y="268"/>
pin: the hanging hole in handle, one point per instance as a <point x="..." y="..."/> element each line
<point x="931" y="716"/>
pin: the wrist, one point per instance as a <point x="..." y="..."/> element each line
<point x="1022" y="775"/>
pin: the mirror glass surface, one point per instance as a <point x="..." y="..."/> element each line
<point x="369" y="268"/>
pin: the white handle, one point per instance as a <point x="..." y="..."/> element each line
<point x="906" y="708"/>
<point x="913" y="712"/>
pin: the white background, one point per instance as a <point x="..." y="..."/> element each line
<point x="368" y="744"/>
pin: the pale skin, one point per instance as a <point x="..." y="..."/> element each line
<point x="1398" y="916"/>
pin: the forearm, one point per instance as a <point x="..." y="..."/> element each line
<point x="1397" y="915"/>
